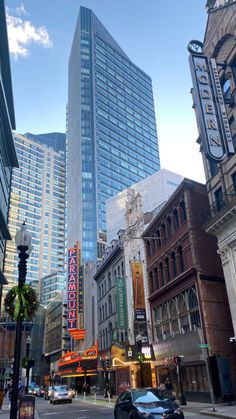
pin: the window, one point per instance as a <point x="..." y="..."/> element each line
<point x="176" y="218"/>
<point x="226" y="90"/>
<point x="109" y="280"/>
<point x="169" y="226"/>
<point x="181" y="259"/>
<point x="151" y="282"/>
<point x="168" y="269"/>
<point x="219" y="198"/>
<point x="162" y="274"/>
<point x="183" y="212"/>
<point x="110" y="305"/>
<point x="173" y="257"/>
<point x="156" y="285"/>
<point x="234" y="181"/>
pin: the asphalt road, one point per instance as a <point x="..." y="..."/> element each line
<point x="83" y="410"/>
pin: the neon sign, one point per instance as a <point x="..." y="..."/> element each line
<point x="72" y="288"/>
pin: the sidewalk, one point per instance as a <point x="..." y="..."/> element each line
<point x="221" y="411"/>
<point x="5" y="413"/>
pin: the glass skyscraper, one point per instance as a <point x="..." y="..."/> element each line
<point x="37" y="197"/>
<point x="112" y="137"/>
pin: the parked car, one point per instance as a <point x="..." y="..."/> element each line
<point x="60" y="393"/>
<point x="146" y="402"/>
<point x="38" y="391"/>
<point x="48" y="392"/>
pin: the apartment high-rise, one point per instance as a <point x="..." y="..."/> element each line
<point x="37" y="197"/>
<point x="8" y="158"/>
<point x="112" y="137"/>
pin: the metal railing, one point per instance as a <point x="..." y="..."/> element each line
<point x="220" y="206"/>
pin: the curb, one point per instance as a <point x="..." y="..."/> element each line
<point x="217" y="414"/>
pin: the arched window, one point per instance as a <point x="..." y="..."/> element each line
<point x="100" y="314"/>
<point x="110" y="305"/>
<point x="193" y="309"/>
<point x="105" y="310"/>
<point x="183" y="212"/>
<point x="99" y="291"/>
<point x="148" y="247"/>
<point x="151" y="282"/>
<point x="109" y="280"/>
<point x="163" y="232"/>
<point x="169" y="226"/>
<point x="183" y="314"/>
<point x="105" y="286"/>
<point x="192" y="298"/>
<point x="118" y="271"/>
<point x="168" y="269"/>
<point x="165" y="321"/>
<point x="158" y="235"/>
<point x="157" y="323"/>
<point x="103" y="313"/>
<point x="156" y="286"/>
<point x="102" y="290"/>
<point x="176" y="218"/>
<point x="162" y="274"/>
<point x="115" y="274"/>
<point x="173" y="317"/>
<point x="181" y="259"/>
<point x="173" y="257"/>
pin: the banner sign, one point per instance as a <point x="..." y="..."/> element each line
<point x="206" y="110"/>
<point x="209" y="103"/>
<point x="121" y="304"/>
<point x="72" y="288"/>
<point x="221" y="105"/>
<point x="138" y="291"/>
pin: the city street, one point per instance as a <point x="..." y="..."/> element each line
<point x="86" y="410"/>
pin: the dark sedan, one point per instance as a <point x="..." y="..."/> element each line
<point x="146" y="403"/>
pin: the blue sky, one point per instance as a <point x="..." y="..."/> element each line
<point x="153" y="33"/>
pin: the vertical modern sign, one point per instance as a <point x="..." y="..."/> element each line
<point x="121" y="304"/>
<point x="223" y="117"/>
<point x="138" y="291"/>
<point x="206" y="111"/>
<point x="72" y="288"/>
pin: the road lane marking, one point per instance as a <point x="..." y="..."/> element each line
<point x="61" y="412"/>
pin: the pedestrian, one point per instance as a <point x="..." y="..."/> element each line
<point x="9" y="396"/>
<point x="1" y="397"/>
<point x="169" y="387"/>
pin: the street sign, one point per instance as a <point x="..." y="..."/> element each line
<point x="204" y="345"/>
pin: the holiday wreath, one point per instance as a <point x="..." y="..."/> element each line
<point x="21" y="302"/>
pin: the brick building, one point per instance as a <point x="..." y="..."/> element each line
<point x="188" y="298"/>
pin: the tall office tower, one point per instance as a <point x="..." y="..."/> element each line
<point x="8" y="158"/>
<point x="37" y="197"/>
<point x="112" y="137"/>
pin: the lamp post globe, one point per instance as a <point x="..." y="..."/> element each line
<point x="24" y="248"/>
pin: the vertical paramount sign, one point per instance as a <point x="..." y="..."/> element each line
<point x="210" y="109"/>
<point x="72" y="288"/>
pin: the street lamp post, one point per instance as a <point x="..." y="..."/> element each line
<point x="28" y="342"/>
<point x="23" y="245"/>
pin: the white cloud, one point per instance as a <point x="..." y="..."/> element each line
<point x="22" y="33"/>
